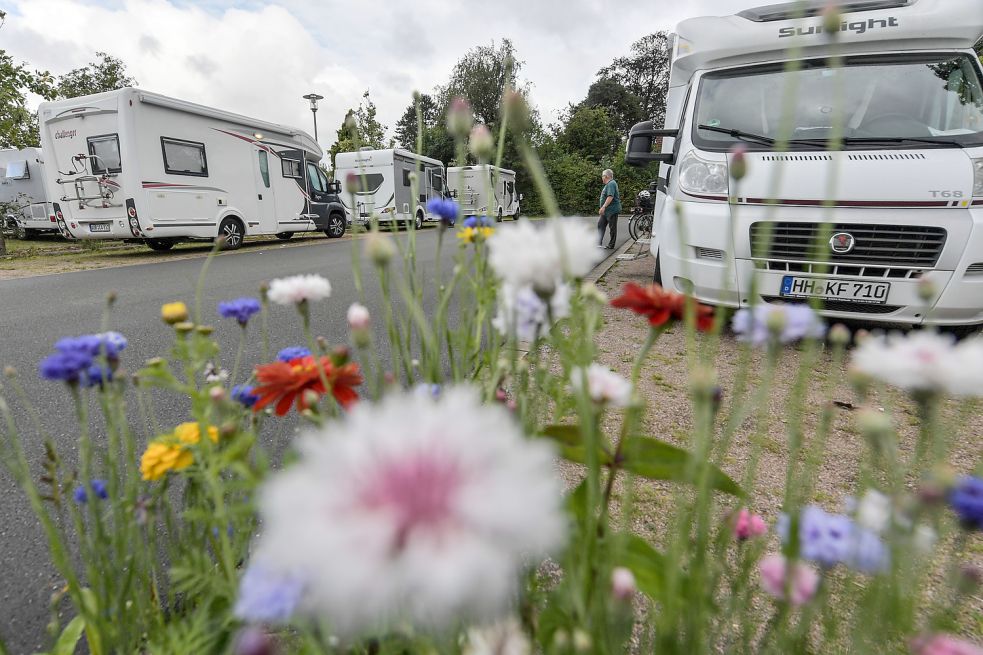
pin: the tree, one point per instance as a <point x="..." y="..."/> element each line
<point x="591" y="133"/>
<point x="624" y="107"/>
<point x="407" y="127"/>
<point x="19" y="125"/>
<point x="482" y="76"/>
<point x="645" y="73"/>
<point x="360" y="129"/>
<point x="106" y="74"/>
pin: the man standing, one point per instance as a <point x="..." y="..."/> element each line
<point x="609" y="211"/>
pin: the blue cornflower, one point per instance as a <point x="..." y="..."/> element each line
<point x="64" y="366"/>
<point x="267" y="597"/>
<point x="868" y="554"/>
<point x="831" y="539"/>
<point x="96" y="376"/>
<point x="243" y="393"/>
<point x="966" y="499"/>
<point x="94" y="345"/>
<point x="241" y="309"/>
<point x="98" y="488"/>
<point x="292" y="352"/>
<point x="478" y="221"/>
<point x="786" y="323"/>
<point x="426" y="390"/>
<point x="445" y="209"/>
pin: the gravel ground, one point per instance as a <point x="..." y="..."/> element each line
<point x="664" y="383"/>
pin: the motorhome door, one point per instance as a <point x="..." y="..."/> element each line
<point x="294" y="203"/>
<point x="265" y="217"/>
<point x="435" y="183"/>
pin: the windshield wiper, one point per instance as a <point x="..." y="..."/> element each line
<point x="758" y="138"/>
<point x="900" y="139"/>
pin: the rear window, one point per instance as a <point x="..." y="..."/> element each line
<point x="104" y="154"/>
<point x="367" y="183"/>
<point x="184" y="157"/>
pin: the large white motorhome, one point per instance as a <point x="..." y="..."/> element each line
<point x="484" y="190"/>
<point x="906" y="186"/>
<point x="130" y="164"/>
<point x="22" y="194"/>
<point x="378" y="182"/>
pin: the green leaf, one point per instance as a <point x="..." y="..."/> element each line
<point x="658" y="460"/>
<point x="569" y="439"/>
<point x="69" y="637"/>
<point x="646" y="563"/>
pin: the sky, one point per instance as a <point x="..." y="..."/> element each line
<point x="258" y="58"/>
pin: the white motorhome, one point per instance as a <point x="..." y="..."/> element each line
<point x="130" y="164"/>
<point x="484" y="190"/>
<point x="906" y="187"/>
<point x="378" y="182"/>
<point x="22" y="194"/>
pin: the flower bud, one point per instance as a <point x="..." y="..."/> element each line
<point x="860" y="381"/>
<point x="254" y="641"/>
<point x="184" y="327"/>
<point x="590" y="292"/>
<point x="481" y="143"/>
<point x="623" y="585"/>
<point x="517" y="112"/>
<point x="340" y="355"/>
<point x="352" y="182"/>
<point x="379" y="248"/>
<point x="970" y="578"/>
<point x="832" y="19"/>
<point x="10" y="371"/>
<point x="460" y="118"/>
<point x="703" y="382"/>
<point x="839" y="335"/>
<point x="581" y="641"/>
<point x="561" y="640"/>
<point x="174" y="312"/>
<point x="501" y="396"/>
<point x="358" y="317"/>
<point x="389" y="378"/>
<point x="776" y="322"/>
<point x="217" y="394"/>
<point x="111" y="298"/>
<point x="926" y="290"/>
<point x="876" y="428"/>
<point x="204" y="330"/>
<point x="738" y="162"/>
<point x="311" y="398"/>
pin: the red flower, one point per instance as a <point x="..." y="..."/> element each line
<point x="282" y="382"/>
<point x="660" y="306"/>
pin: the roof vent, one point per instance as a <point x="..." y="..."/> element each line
<point x="793" y="10"/>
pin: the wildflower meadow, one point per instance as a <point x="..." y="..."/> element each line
<point x="421" y="509"/>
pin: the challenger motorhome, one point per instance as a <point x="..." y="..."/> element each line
<point x="135" y="165"/>
<point x="864" y="158"/>
<point x="27" y="210"/>
<point x="484" y="190"/>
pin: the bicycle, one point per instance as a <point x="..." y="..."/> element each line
<point x="640" y="224"/>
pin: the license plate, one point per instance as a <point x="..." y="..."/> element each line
<point x="874" y="293"/>
<point x="99" y="227"/>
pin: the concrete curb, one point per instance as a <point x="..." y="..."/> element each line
<point x="601" y="269"/>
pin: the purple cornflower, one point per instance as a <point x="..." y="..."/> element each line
<point x="64" y="366"/>
<point x="478" y="221"/>
<point x="445" y="209"/>
<point x="786" y="323"/>
<point x="267" y="597"/>
<point x="241" y="309"/>
<point x="97" y="376"/>
<point x="243" y="393"/>
<point x="831" y="539"/>
<point x="966" y="499"/>
<point x="291" y="353"/>
<point x="94" y="345"/>
<point x="98" y="488"/>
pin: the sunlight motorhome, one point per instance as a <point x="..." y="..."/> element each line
<point x="379" y="183"/>
<point x="22" y="193"/>
<point x="484" y="190"/>
<point x="906" y="186"/>
<point x="129" y="164"/>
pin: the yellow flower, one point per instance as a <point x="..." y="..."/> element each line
<point x="472" y="234"/>
<point x="174" y="312"/>
<point x="171" y="453"/>
<point x="161" y="457"/>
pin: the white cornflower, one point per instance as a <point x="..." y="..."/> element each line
<point x="874" y="511"/>
<point x="504" y="638"/>
<point x="523" y="255"/>
<point x="604" y="385"/>
<point x="924" y="539"/>
<point x="298" y="288"/>
<point x="923" y="361"/>
<point x="521" y="311"/>
<point x="358" y="316"/>
<point x="429" y="521"/>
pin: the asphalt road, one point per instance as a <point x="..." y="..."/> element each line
<point x="36" y="312"/>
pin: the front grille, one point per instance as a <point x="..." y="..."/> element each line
<point x="840" y="270"/>
<point x="836" y="305"/>
<point x="876" y="245"/>
<point x="709" y="253"/>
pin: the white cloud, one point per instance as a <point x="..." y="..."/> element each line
<point x="258" y="59"/>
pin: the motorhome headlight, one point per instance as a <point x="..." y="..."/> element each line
<point x="978" y="177"/>
<point x="702" y="177"/>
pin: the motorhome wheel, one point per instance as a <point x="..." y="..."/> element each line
<point x="499" y="219"/>
<point x="21" y="232"/>
<point x="419" y="220"/>
<point x="283" y="236"/>
<point x="657" y="278"/>
<point x="160" y="245"/>
<point x="336" y="226"/>
<point x="232" y="230"/>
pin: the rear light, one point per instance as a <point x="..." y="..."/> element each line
<point x="53" y="219"/>
<point x="60" y="216"/>
<point x="131" y="211"/>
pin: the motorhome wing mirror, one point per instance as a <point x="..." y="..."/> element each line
<point x="453" y="193"/>
<point x="521" y="197"/>
<point x="335" y="187"/>
<point x="645" y="145"/>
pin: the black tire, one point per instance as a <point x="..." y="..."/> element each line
<point x="336" y="226"/>
<point x="284" y="236"/>
<point x="500" y="216"/>
<point x="160" y="245"/>
<point x="633" y="227"/>
<point x="657" y="277"/>
<point x="233" y="231"/>
<point x="419" y="221"/>
<point x="644" y="226"/>
<point x="22" y="233"/>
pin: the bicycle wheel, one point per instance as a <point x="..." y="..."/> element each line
<point x="644" y="227"/>
<point x="633" y="227"/>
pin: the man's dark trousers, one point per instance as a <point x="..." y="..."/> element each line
<point x="607" y="221"/>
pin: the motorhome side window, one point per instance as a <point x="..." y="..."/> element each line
<point x="264" y="167"/>
<point x="291" y="168"/>
<point x="104" y="154"/>
<point x="406" y="177"/>
<point x="883" y="97"/>
<point x="16" y="170"/>
<point x="184" y="157"/>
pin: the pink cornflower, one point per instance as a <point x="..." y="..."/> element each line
<point x="802" y="586"/>
<point x="748" y="525"/>
<point x="943" y="645"/>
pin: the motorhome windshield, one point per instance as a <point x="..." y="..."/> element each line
<point x="885" y="101"/>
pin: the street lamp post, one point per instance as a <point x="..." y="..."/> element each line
<point x="313" y="97"/>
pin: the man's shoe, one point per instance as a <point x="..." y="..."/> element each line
<point x="600" y="245"/>
<point x="609" y="247"/>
